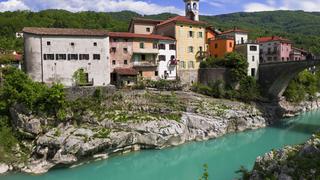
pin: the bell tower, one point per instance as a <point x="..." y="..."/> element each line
<point x="192" y="9"/>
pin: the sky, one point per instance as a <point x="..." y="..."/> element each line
<point x="147" y="7"/>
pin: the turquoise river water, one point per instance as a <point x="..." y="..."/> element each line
<point x="224" y="156"/>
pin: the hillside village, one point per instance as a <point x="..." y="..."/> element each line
<point x="151" y="49"/>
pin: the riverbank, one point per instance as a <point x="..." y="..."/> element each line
<point x="291" y="162"/>
<point x="147" y="120"/>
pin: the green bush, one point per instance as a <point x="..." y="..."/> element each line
<point x="17" y="87"/>
<point x="249" y="89"/>
<point x="304" y="87"/>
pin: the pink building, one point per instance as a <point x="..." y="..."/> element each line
<point x="298" y="54"/>
<point x="274" y="49"/>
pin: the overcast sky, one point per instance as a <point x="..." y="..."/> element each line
<point x="212" y="7"/>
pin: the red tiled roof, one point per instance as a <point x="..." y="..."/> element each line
<point x="126" y="71"/>
<point x="271" y="38"/>
<point x="143" y="36"/>
<point x="235" y="30"/>
<point x="182" y="19"/>
<point x="65" y="31"/>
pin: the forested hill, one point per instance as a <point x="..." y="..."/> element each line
<point x="301" y="27"/>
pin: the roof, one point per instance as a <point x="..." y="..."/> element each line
<point x="272" y="38"/>
<point x="298" y="49"/>
<point x="212" y="29"/>
<point x="235" y="30"/>
<point x="144" y="20"/>
<point x="126" y="71"/>
<point x="65" y="31"/>
<point x="142" y="36"/>
<point x="182" y="19"/>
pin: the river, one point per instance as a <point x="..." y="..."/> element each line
<point x="224" y="156"/>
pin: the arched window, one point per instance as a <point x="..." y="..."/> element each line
<point x="195" y="6"/>
<point x="189" y="6"/>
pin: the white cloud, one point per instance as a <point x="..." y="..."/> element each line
<point x="270" y="5"/>
<point x="89" y="5"/>
<point x="12" y="5"/>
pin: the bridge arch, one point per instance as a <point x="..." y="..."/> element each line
<point x="275" y="77"/>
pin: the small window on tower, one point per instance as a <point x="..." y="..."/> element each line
<point x="195" y="7"/>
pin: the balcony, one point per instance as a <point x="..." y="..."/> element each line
<point x="142" y="64"/>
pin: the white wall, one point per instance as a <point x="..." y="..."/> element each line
<point x="253" y="59"/>
<point x="49" y="71"/>
<point x="239" y="36"/>
<point x="165" y="65"/>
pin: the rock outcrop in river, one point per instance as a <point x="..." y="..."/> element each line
<point x="292" y="162"/>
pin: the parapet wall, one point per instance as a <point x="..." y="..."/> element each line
<point x="76" y="92"/>
<point x="209" y="75"/>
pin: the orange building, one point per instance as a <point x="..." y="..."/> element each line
<point x="220" y="46"/>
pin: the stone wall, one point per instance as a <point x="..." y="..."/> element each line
<point x="188" y="76"/>
<point x="213" y="74"/>
<point x="76" y="92"/>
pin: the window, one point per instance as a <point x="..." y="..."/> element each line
<point x="190" y="64"/>
<point x="162" y="57"/>
<point x="190" y="49"/>
<point x="275" y="58"/>
<point x="72" y="56"/>
<point x="269" y="58"/>
<point x="48" y="56"/>
<point x="125" y="62"/>
<point x="200" y="35"/>
<point x="125" y="50"/>
<point x="48" y="43"/>
<point x="253" y="72"/>
<point x="287" y="59"/>
<point x="61" y="56"/>
<point x="253" y="48"/>
<point x="172" y="47"/>
<point x="242" y="40"/>
<point x="143" y="57"/>
<point x="113" y="62"/>
<point x="83" y="56"/>
<point x="96" y="56"/>
<point x="155" y="45"/>
<point x="148" y="29"/>
<point x="162" y="46"/>
<point x="182" y="65"/>
<point x="156" y="73"/>
<point x="190" y="34"/>
<point x="141" y="45"/>
<point x="200" y="48"/>
<point x="216" y="45"/>
<point x="253" y="58"/>
<point x="72" y="44"/>
<point x="282" y="58"/>
<point x="113" y="49"/>
<point x="172" y="57"/>
<point x="95" y="44"/>
<point x="230" y="45"/>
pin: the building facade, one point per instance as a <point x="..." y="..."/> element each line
<point x="167" y="63"/>
<point x="220" y="46"/>
<point x="298" y="54"/>
<point x="240" y="36"/>
<point x="54" y="55"/>
<point x="147" y="54"/>
<point x="251" y="52"/>
<point x="274" y="49"/>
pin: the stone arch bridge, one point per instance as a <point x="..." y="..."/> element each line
<point x="275" y="77"/>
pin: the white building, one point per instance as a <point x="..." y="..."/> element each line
<point x="167" y="67"/>
<point x="54" y="55"/>
<point x="252" y="53"/>
<point x="240" y="36"/>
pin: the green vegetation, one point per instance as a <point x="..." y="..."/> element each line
<point x="80" y="77"/>
<point x="236" y="62"/>
<point x="162" y="84"/>
<point x="205" y="175"/>
<point x="241" y="86"/>
<point x="304" y="87"/>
